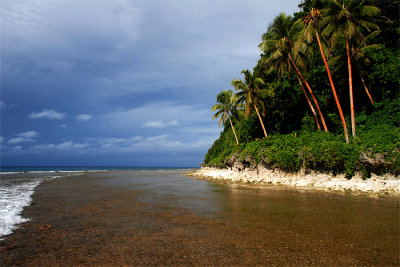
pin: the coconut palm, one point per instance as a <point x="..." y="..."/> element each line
<point x="360" y="61"/>
<point x="312" y="21"/>
<point x="309" y="103"/>
<point x="225" y="109"/>
<point x="279" y="45"/>
<point x="347" y="19"/>
<point x="249" y="94"/>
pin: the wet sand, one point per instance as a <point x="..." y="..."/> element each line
<point x="130" y="218"/>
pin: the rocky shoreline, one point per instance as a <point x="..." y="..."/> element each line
<point x="384" y="185"/>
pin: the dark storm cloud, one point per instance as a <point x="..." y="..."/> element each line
<point x="141" y="72"/>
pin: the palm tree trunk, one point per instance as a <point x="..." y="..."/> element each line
<point x="234" y="132"/>
<point x="309" y="103"/>
<point x="353" y="121"/>
<point x="333" y="89"/>
<point x="259" y="117"/>
<point x="366" y="90"/>
<point x="311" y="92"/>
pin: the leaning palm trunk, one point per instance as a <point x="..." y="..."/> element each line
<point x="353" y="122"/>
<point x="311" y="92"/>
<point x="259" y="117"/>
<point x="234" y="132"/>
<point x="309" y="103"/>
<point x="366" y="90"/>
<point x="333" y="89"/>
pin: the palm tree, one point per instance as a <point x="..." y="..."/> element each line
<point x="359" y="57"/>
<point x="249" y="94"/>
<point x="362" y="60"/>
<point x="348" y="19"/>
<point x="278" y="45"/>
<point x="225" y="108"/>
<point x="312" y="21"/>
<point x="309" y="103"/>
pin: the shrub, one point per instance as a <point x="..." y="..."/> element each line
<point x="318" y="150"/>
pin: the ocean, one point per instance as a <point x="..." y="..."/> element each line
<point x="18" y="183"/>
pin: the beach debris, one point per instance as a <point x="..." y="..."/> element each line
<point x="45" y="227"/>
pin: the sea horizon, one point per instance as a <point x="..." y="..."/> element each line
<point x="5" y="169"/>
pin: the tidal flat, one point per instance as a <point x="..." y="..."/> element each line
<point x="161" y="217"/>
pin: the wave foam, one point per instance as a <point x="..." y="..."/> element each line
<point x="15" y="194"/>
<point x="12" y="202"/>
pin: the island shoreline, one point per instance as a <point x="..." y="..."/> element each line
<point x="378" y="185"/>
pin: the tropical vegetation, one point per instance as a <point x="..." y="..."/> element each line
<point x="344" y="56"/>
<point x="225" y="108"/>
<point x="250" y="95"/>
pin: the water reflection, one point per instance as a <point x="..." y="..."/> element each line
<point x="354" y="221"/>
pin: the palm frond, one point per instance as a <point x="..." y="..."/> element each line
<point x="216" y="115"/>
<point x="295" y="29"/>
<point x="308" y="33"/>
<point x="238" y="99"/>
<point x="238" y="84"/>
<point x="223" y="118"/>
<point x="351" y="29"/>
<point x="369" y="11"/>
<point x="369" y="25"/>
<point x="371" y="36"/>
<point x="217" y="107"/>
<point x="329" y="29"/>
<point x="259" y="81"/>
<point x="337" y="61"/>
<point x="369" y="48"/>
<point x="342" y="14"/>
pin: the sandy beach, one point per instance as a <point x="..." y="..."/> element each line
<point x="149" y="218"/>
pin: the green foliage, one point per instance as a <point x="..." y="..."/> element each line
<point x="285" y="110"/>
<point x="247" y="130"/>
<point x="384" y="76"/>
<point x="321" y="151"/>
<point x="331" y="155"/>
<point x="282" y="151"/>
<point x="221" y="149"/>
<point x="383" y="139"/>
<point x="308" y="123"/>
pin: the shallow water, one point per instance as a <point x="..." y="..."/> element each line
<point x="168" y="187"/>
<point x="164" y="218"/>
<point x="354" y="221"/>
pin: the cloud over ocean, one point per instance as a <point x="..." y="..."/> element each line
<point x="122" y="82"/>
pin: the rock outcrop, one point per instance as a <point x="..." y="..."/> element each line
<point x="372" y="163"/>
<point x="245" y="169"/>
<point x="386" y="185"/>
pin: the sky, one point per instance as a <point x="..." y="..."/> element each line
<point x="122" y="82"/>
